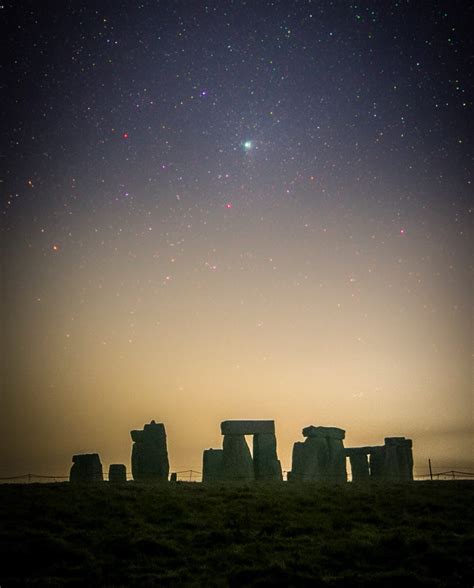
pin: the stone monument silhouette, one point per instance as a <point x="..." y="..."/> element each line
<point x="234" y="462"/>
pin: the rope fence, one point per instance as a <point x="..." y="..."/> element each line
<point x="196" y="476"/>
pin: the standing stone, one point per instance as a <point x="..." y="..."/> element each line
<point x="337" y="461"/>
<point x="359" y="465"/>
<point x="299" y="461"/>
<point x="321" y="458"/>
<point x="266" y="463"/>
<point x="149" y="454"/>
<point x="117" y="473"/>
<point x="377" y="463"/>
<point x="398" y="459"/>
<point x="212" y="465"/>
<point x="86" y="468"/>
<point x="237" y="464"/>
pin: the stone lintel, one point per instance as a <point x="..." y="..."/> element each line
<point x="247" y="427"/>
<point x="85" y="458"/>
<point x="401" y="441"/>
<point x="361" y="450"/>
<point x="331" y="432"/>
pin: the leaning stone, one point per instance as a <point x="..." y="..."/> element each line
<point x="237" y="464"/>
<point x="212" y="465"/>
<point x="328" y="432"/>
<point x="117" y="473"/>
<point x="247" y="427"/>
<point x="86" y="468"/>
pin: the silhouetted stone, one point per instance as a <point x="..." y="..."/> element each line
<point x="392" y="461"/>
<point x="398" y="458"/>
<point x="377" y="463"/>
<point x="149" y="454"/>
<point x="326" y="432"/>
<point x="237" y="464"/>
<point x="212" y="465"/>
<point x="336" y="470"/>
<point x="86" y="468"/>
<point x="304" y="464"/>
<point x="321" y="457"/>
<point x="266" y="463"/>
<point x="117" y="473"/>
<point x="174" y="477"/>
<point x="247" y="427"/>
<point x="359" y="466"/>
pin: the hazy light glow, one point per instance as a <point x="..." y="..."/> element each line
<point x="227" y="213"/>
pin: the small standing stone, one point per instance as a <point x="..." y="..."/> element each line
<point x="117" y="473"/>
<point x="212" y="465"/>
<point x="86" y="468"/>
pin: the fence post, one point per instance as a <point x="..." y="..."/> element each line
<point x="431" y="471"/>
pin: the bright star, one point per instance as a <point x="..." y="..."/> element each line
<point x="248" y="145"/>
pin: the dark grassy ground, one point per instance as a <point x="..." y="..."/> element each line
<point x="417" y="534"/>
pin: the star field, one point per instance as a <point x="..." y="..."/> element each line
<point x="235" y="210"/>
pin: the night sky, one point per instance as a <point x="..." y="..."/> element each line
<point x="221" y="210"/>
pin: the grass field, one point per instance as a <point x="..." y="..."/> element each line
<point x="415" y="534"/>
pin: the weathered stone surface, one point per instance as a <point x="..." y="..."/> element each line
<point x="359" y="466"/>
<point x="149" y="453"/>
<point x="117" y="473"/>
<point x="212" y="465"/>
<point x="86" y="468"/>
<point x="247" y="427"/>
<point x="266" y="464"/>
<point x="237" y="464"/>
<point x="326" y="432"/>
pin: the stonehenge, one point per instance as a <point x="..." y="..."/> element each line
<point x="234" y="462"/>
<point x="321" y="457"/>
<point x="86" y="467"/>
<point x="149" y="453"/>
